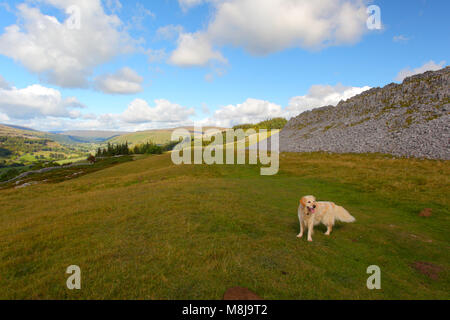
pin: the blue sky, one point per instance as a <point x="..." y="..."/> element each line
<point x="135" y="65"/>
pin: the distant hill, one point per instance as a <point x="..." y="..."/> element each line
<point x="160" y="136"/>
<point x="18" y="131"/>
<point x="7" y="130"/>
<point x="17" y="127"/>
<point x="411" y="119"/>
<point x="64" y="137"/>
<point x="92" y="133"/>
<point x="72" y="137"/>
<point x="90" y="136"/>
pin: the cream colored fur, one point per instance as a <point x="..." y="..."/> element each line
<point x="312" y="213"/>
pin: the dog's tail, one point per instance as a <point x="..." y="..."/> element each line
<point x="343" y="215"/>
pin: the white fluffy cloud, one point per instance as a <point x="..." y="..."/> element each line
<point x="319" y="96"/>
<point x="139" y="111"/>
<point x="251" y="111"/>
<point x="429" y="66"/>
<point x="59" y="52"/>
<point x="169" y="32"/>
<point x="113" y="5"/>
<point x="124" y="81"/>
<point x="267" y="26"/>
<point x="156" y="55"/>
<point x="37" y="102"/>
<point x="254" y="110"/>
<point x="3" y="83"/>
<point x="138" y="116"/>
<point x="3" y="117"/>
<point x="186" y="4"/>
<point x="57" y="124"/>
<point x="194" y="49"/>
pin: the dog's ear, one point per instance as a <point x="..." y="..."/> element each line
<point x="303" y="201"/>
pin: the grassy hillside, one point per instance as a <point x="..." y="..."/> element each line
<point x="162" y="136"/>
<point x="17" y="127"/>
<point x="16" y="131"/>
<point x="270" y="124"/>
<point x="150" y="229"/>
<point x="87" y="136"/>
<point x="7" y="131"/>
<point x="156" y="136"/>
<point x="68" y="138"/>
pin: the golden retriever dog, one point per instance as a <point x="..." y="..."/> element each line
<point x="312" y="212"/>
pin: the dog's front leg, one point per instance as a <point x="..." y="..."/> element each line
<point x="310" y="229"/>
<point x="301" y="229"/>
<point x="301" y="222"/>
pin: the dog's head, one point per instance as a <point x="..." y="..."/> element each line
<point x="309" y="204"/>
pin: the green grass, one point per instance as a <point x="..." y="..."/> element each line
<point x="148" y="229"/>
<point x="157" y="136"/>
<point x="270" y="124"/>
<point x="71" y="160"/>
<point x="28" y="158"/>
<point x="3" y="170"/>
<point x="19" y="170"/>
<point x="64" y="174"/>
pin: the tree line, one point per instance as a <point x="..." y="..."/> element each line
<point x="113" y="150"/>
<point x="123" y="149"/>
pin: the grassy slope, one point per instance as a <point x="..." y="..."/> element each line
<point x="34" y="134"/>
<point x="31" y="134"/>
<point x="162" y="136"/>
<point x="150" y="229"/>
<point x="158" y="137"/>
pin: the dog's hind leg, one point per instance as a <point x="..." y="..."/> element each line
<point x="328" y="220"/>
<point x="329" y="229"/>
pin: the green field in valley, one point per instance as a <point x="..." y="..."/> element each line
<point x="148" y="229"/>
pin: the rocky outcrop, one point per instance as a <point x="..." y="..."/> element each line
<point x="411" y="119"/>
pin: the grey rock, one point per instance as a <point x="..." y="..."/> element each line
<point x="411" y="119"/>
